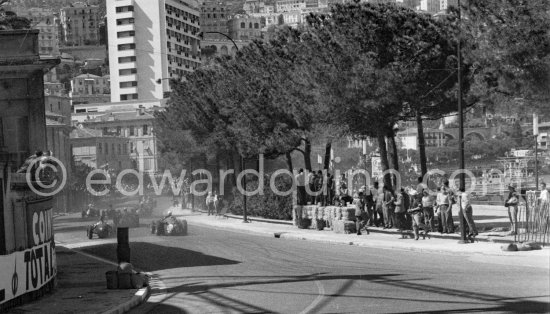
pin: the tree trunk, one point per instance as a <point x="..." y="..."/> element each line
<point x="289" y="161"/>
<point x="307" y="154"/>
<point x="384" y="158"/>
<point x="421" y="144"/>
<point x="393" y="158"/>
<point x="328" y="149"/>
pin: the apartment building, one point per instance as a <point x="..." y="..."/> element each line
<point x="80" y="24"/>
<point x="149" y="43"/>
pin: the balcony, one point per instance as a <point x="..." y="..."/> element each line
<point x="125" y="28"/>
<point x="127" y="65"/>
<point x="129" y="77"/>
<point x="128" y="90"/>
<point x="123" y="15"/>
<point x="126" y="53"/>
<point x="126" y="40"/>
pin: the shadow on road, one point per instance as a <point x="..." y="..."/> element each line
<point x="484" y="302"/>
<point x="153" y="257"/>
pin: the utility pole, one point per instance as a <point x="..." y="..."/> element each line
<point x="461" y="134"/>
<point x="536" y="135"/>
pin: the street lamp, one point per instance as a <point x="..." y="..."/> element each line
<point x="245" y="216"/>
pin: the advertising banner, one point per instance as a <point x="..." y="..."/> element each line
<point x="39" y="223"/>
<point x="27" y="271"/>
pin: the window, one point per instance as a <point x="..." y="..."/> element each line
<point x="119" y="149"/>
<point x="128" y="84"/>
<point x="126" y="34"/>
<point x="99" y="148"/>
<point x="126" y="47"/>
<point x="132" y="130"/>
<point x="113" y="148"/>
<point x="256" y="25"/>
<point x="243" y="25"/>
<point x="128" y="96"/>
<point x="125" y="21"/>
<point x="127" y="71"/>
<point x="131" y="147"/>
<point x="106" y="149"/>
<point x="145" y="129"/>
<point x="129" y="8"/>
<point x="123" y="60"/>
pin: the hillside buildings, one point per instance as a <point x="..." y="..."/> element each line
<point x="80" y="24"/>
<point x="150" y="41"/>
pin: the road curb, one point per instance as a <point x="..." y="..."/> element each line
<point x="139" y="297"/>
<point x="433" y="235"/>
<point x="293" y="236"/>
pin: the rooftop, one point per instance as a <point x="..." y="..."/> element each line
<point x="81" y="132"/>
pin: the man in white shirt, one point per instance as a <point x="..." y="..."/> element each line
<point x="544" y="194"/>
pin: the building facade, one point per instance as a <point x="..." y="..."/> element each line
<point x="89" y="84"/>
<point x="80" y="24"/>
<point x="150" y="41"/>
<point x="92" y="148"/>
<point x="214" y="16"/>
<point x="243" y="27"/>
<point x="135" y="126"/>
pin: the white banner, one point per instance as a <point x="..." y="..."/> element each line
<point x="26" y="271"/>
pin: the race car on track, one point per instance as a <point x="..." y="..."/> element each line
<point x="101" y="228"/>
<point x="169" y="225"/>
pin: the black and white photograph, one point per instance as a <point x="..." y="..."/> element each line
<point x="274" y="156"/>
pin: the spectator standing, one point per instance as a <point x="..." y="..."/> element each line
<point x="428" y="210"/>
<point x="544" y="194"/>
<point x="311" y="183"/>
<point x="388" y="208"/>
<point x="437" y="214"/>
<point x="319" y="198"/>
<point x="416" y="212"/>
<point x="467" y="212"/>
<point x="444" y="204"/>
<point x="359" y="211"/>
<point x="301" y="187"/>
<point x="330" y="189"/>
<point x="401" y="206"/>
<point x="379" y="208"/>
<point x="210" y="203"/>
<point x="370" y="201"/>
<point x="512" y="205"/>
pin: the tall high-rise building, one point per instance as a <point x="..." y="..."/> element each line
<point x="150" y="41"/>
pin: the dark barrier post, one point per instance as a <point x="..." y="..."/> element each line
<point x="123" y="247"/>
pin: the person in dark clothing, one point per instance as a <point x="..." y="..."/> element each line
<point x="388" y="208"/>
<point x="359" y="211"/>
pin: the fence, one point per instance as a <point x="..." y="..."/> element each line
<point x="534" y="221"/>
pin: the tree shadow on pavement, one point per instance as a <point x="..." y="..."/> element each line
<point x="153" y="257"/>
<point x="484" y="302"/>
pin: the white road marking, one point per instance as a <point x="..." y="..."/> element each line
<point x="321" y="295"/>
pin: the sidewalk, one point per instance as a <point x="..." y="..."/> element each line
<point x="378" y="238"/>
<point x="81" y="288"/>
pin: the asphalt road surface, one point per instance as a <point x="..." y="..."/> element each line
<point x="215" y="271"/>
